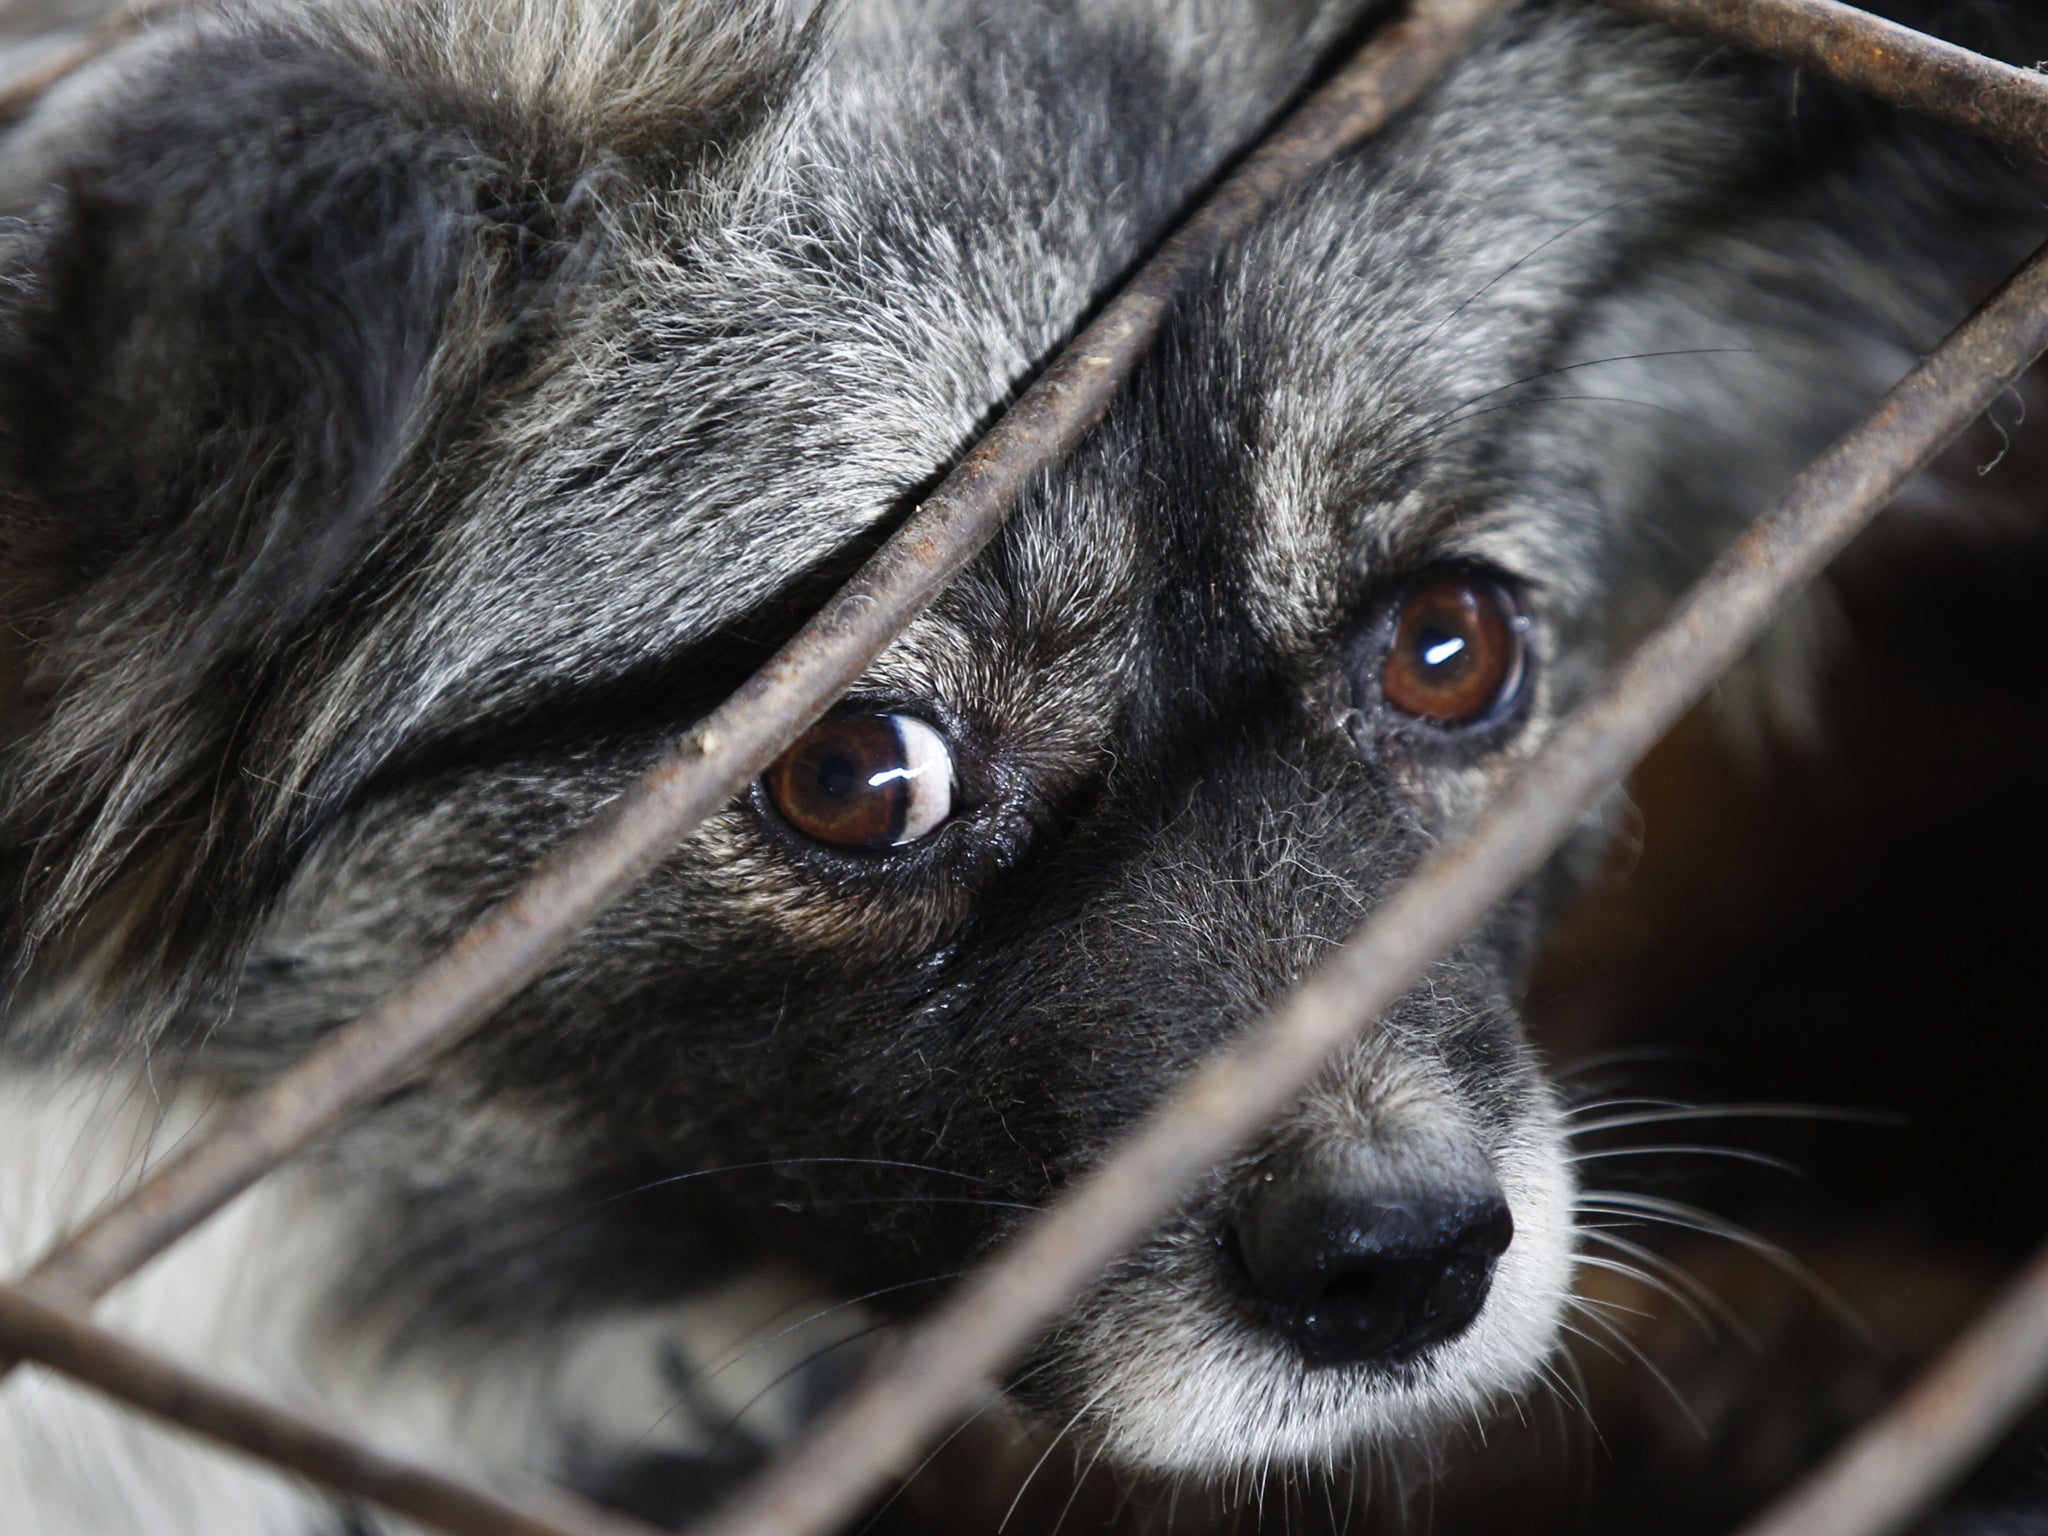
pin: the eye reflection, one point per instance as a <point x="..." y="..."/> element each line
<point x="864" y="781"/>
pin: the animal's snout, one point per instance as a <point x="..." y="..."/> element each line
<point x="1371" y="1274"/>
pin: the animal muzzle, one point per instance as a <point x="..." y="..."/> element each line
<point x="1389" y="1260"/>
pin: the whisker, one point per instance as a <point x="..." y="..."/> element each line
<point x="990" y="1401"/>
<point x="791" y="1162"/>
<point x="1415" y="348"/>
<point x="1652" y="1282"/>
<point x="1692" y="1149"/>
<point x="1595" y="362"/>
<point x="741" y="1352"/>
<point x="1125" y="1493"/>
<point x="1566" y="1392"/>
<point x="1578" y="1375"/>
<point x="933" y="1455"/>
<point x="1080" y="1480"/>
<point x="1560" y="1416"/>
<point x="684" y="1387"/>
<point x="1594" y="1106"/>
<point x="1604" y="1306"/>
<point x="1619" y="1056"/>
<point x="1518" y="405"/>
<point x="1677" y="1274"/>
<point x="1037" y="1466"/>
<point x="732" y="1424"/>
<point x="1671" y="1112"/>
<point x="1676" y="1213"/>
<point x="1351" y="1496"/>
<point x="1580" y="1333"/>
<point x="1656" y="1372"/>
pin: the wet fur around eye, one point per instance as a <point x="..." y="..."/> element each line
<point x="412" y="416"/>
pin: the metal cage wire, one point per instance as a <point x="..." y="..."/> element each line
<point x="1876" y="1484"/>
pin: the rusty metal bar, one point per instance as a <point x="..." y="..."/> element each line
<point x="873" y="1434"/>
<point x="1891" y="1471"/>
<point x="1895" y="64"/>
<point x="514" y="942"/>
<point x="167" y="1391"/>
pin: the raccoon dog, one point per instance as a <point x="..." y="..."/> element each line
<point x="414" y="414"/>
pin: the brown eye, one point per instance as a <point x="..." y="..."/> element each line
<point x="1457" y="651"/>
<point x="864" y="781"/>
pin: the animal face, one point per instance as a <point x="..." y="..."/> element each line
<point x="414" y="418"/>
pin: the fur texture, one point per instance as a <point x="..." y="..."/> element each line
<point x="412" y="415"/>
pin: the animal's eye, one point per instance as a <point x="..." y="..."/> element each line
<point x="864" y="781"/>
<point x="1457" y="652"/>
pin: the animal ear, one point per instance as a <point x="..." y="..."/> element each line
<point x="267" y="283"/>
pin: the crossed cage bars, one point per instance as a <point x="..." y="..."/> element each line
<point x="1878" y="1483"/>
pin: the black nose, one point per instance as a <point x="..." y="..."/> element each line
<point x="1370" y="1276"/>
